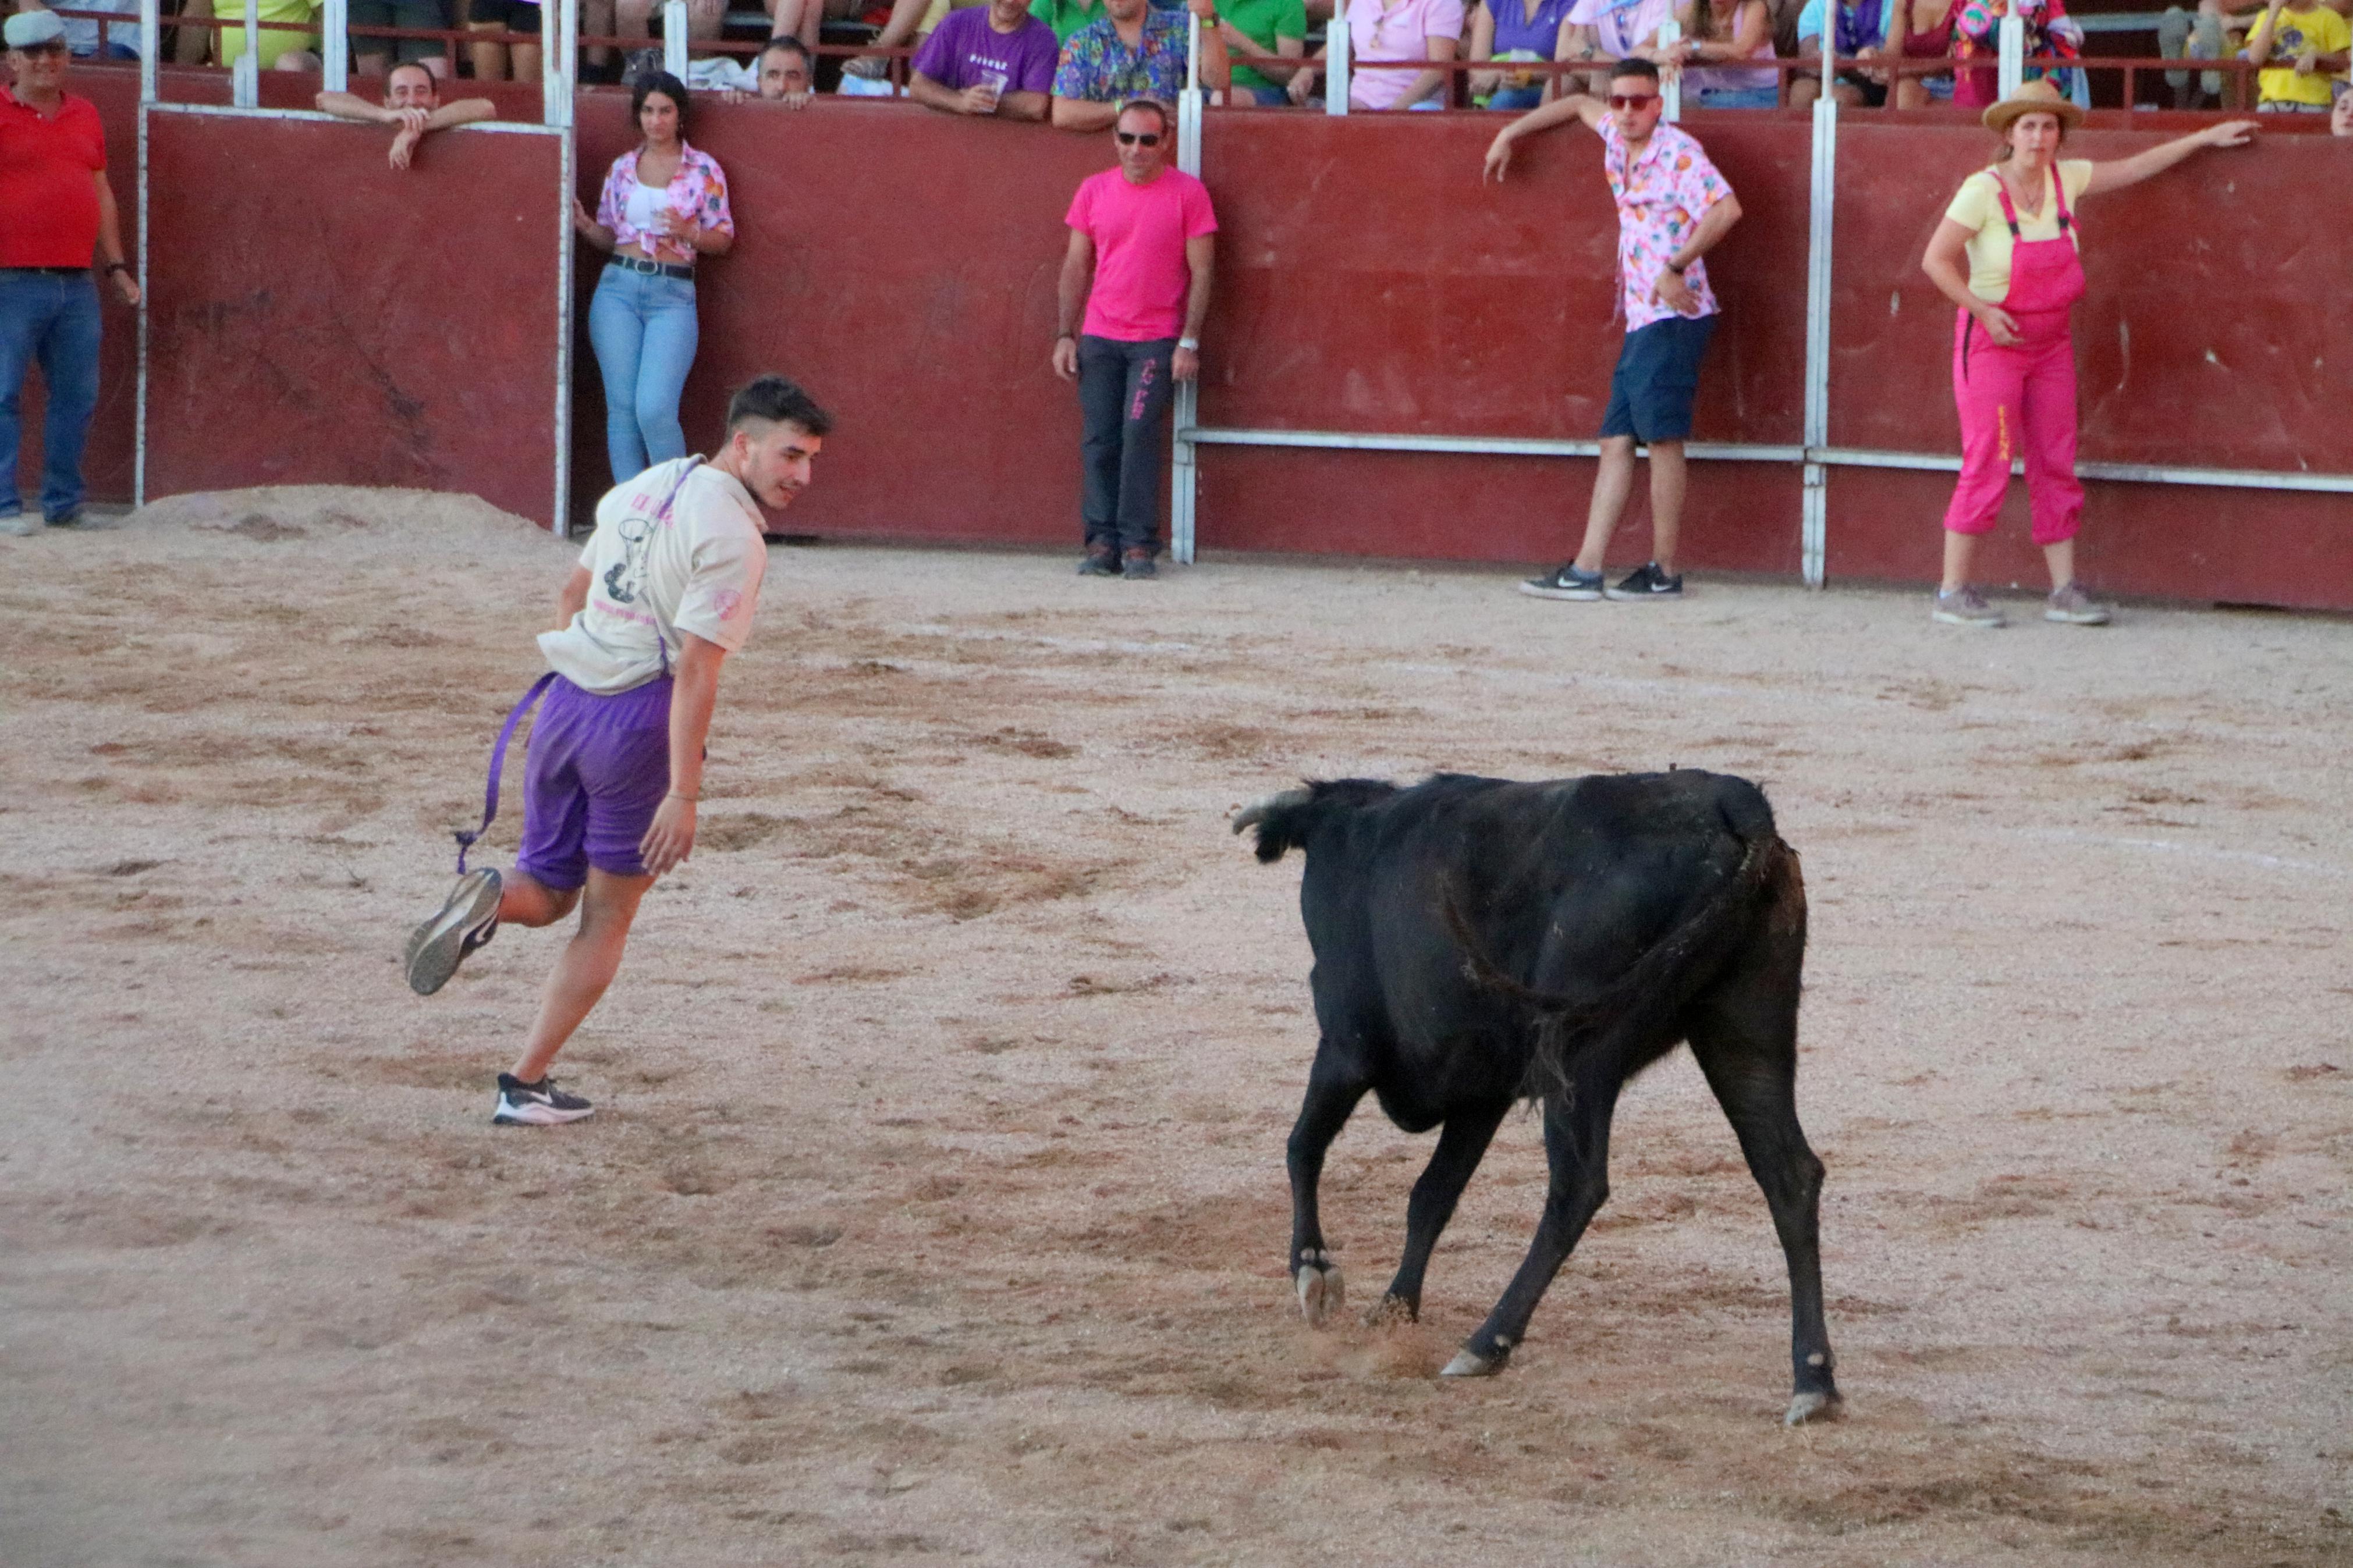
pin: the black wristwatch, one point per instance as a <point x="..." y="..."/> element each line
<point x="116" y="267"/>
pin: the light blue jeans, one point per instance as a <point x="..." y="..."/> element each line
<point x="644" y="330"/>
<point x="51" y="319"/>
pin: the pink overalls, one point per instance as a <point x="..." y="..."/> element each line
<point x="2020" y="401"/>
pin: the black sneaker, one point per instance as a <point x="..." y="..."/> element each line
<point x="1137" y="564"/>
<point x="1566" y="582"/>
<point x="1101" y="561"/>
<point x="469" y="918"/>
<point x="1647" y="582"/>
<point x="540" y="1104"/>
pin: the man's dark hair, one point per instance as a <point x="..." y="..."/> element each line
<point x="775" y="400"/>
<point x="1151" y="106"/>
<point x="1635" y="66"/>
<point x="410" y="65"/>
<point x="787" y="44"/>
<point x="670" y="87"/>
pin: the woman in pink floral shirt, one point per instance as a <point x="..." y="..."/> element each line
<point x="664" y="205"/>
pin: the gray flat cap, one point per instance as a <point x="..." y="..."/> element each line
<point x="31" y="29"/>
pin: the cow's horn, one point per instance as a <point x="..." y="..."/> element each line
<point x="1259" y="810"/>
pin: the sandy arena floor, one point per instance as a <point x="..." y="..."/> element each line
<point x="935" y="1209"/>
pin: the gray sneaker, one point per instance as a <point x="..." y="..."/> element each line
<point x="467" y="919"/>
<point x="2076" y="607"/>
<point x="1965" y="607"/>
<point x="21" y="524"/>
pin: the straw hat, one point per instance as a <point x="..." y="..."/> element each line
<point x="2033" y="98"/>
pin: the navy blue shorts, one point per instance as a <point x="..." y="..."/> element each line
<point x="1651" y="391"/>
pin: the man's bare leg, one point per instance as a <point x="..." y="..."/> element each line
<point x="1666" y="502"/>
<point x="583" y="969"/>
<point x="1612" y="483"/>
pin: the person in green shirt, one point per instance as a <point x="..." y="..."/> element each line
<point x="1259" y="33"/>
<point x="1066" y="16"/>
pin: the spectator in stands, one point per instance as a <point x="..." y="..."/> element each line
<point x="1133" y="50"/>
<point x="2006" y="254"/>
<point x="2317" y="45"/>
<point x="807" y="20"/>
<point x="60" y="218"/>
<point x="282" y="49"/>
<point x="412" y="100"/>
<point x="995" y="59"/>
<point x="663" y="205"/>
<point x="1394" y="31"/>
<point x="1925" y="32"/>
<point x="1507" y="30"/>
<point x="2201" y="36"/>
<point x="1259" y="35"/>
<point x="492" y="60"/>
<point x="1672" y="207"/>
<point x="82" y="41"/>
<point x="1728" y="30"/>
<point x="375" y="56"/>
<point x="1858" y="31"/>
<point x="1139" y="265"/>
<point x="1604" y="31"/>
<point x="780" y="73"/>
<point x="1977" y="34"/>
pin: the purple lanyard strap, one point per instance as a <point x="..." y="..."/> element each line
<point x="466" y="838"/>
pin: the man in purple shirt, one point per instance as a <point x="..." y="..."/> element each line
<point x="987" y="60"/>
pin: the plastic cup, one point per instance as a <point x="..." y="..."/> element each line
<point x="994" y="81"/>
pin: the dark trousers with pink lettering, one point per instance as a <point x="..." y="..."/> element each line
<point x="1124" y="394"/>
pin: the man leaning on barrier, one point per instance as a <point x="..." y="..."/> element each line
<point x="995" y="59"/>
<point x="56" y="213"/>
<point x="1672" y="207"/>
<point x="412" y="100"/>
<point x="1135" y="51"/>
<point x="780" y="73"/>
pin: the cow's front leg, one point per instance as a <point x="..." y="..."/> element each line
<point x="1333" y="1091"/>
<point x="1577" y="1148"/>
<point x="1462" y="1144"/>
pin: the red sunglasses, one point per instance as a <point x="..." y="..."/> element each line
<point x="1631" y="99"/>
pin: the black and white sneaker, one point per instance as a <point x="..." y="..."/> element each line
<point x="469" y="918"/>
<point x="1567" y="581"/>
<point x="540" y="1104"/>
<point x="1647" y="582"/>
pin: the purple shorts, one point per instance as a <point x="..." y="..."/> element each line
<point x="598" y="769"/>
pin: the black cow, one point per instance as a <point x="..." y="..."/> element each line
<point x="1480" y="942"/>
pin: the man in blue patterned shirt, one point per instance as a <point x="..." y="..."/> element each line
<point x="1133" y="50"/>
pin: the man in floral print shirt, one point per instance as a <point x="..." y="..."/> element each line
<point x="1672" y="207"/>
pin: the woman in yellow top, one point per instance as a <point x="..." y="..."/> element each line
<point x="2006" y="254"/>
<point x="282" y="49"/>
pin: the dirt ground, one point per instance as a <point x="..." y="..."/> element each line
<point x="934" y="1208"/>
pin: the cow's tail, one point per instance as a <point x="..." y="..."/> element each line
<point x="1659" y="985"/>
<point x="1284" y="821"/>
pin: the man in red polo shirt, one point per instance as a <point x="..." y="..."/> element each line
<point x="60" y="215"/>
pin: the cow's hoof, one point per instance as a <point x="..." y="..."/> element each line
<point x="1390" y="1310"/>
<point x="1322" y="1292"/>
<point x="1808" y="1407"/>
<point x="1468" y="1364"/>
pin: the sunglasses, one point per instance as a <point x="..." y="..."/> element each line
<point x="1631" y="99"/>
<point x="1138" y="138"/>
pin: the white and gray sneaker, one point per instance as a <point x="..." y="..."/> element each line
<point x="540" y="1104"/>
<point x="2075" y="607"/>
<point x="1965" y="607"/>
<point x="468" y="919"/>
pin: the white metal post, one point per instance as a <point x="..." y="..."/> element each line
<point x="245" y="81"/>
<point x="558" y="60"/>
<point x="1181" y="476"/>
<point x="1671" y="85"/>
<point x="1814" y="517"/>
<point x="335" y="56"/>
<point x="151" y="44"/>
<point x="2014" y="53"/>
<point x="674" y="38"/>
<point x="1336" y="60"/>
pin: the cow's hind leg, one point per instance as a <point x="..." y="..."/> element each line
<point x="1746" y="1040"/>
<point x="1577" y="1147"/>
<point x="1462" y="1144"/>
<point x="1333" y="1091"/>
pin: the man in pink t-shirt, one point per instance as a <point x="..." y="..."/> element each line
<point x="1140" y="237"/>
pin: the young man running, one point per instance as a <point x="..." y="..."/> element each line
<point x="664" y="591"/>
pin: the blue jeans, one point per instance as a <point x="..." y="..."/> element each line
<point x="644" y="330"/>
<point x="1521" y="98"/>
<point x="50" y="317"/>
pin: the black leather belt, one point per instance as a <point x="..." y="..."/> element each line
<point x="50" y="271"/>
<point x="651" y="268"/>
